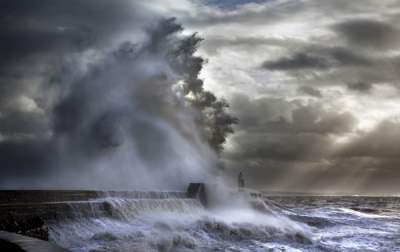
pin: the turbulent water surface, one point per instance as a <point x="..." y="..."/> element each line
<point x="279" y="224"/>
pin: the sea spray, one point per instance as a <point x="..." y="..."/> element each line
<point x="127" y="115"/>
<point x="138" y="117"/>
<point x="169" y="223"/>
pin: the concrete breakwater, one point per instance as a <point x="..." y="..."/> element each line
<point x="28" y="212"/>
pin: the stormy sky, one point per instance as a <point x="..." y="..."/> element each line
<point x="314" y="83"/>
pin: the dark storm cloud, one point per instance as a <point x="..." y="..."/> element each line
<point x="297" y="61"/>
<point x="30" y="28"/>
<point x="37" y="36"/>
<point x="278" y="138"/>
<point x="369" y="160"/>
<point x="360" y="86"/>
<point x="14" y="123"/>
<point x="257" y="112"/>
<point x="355" y="60"/>
<point x="346" y="57"/>
<point x="23" y="158"/>
<point x="280" y="116"/>
<point x="318" y="65"/>
<point x="310" y="91"/>
<point x="318" y="57"/>
<point x="352" y="63"/>
<point x="382" y="142"/>
<point x="369" y="33"/>
<point x="281" y="146"/>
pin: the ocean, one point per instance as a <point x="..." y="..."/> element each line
<point x="295" y="223"/>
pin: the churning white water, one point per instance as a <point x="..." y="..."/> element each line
<point x="174" y="224"/>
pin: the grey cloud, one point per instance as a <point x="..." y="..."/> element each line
<point x="21" y="159"/>
<point x="62" y="25"/>
<point x="360" y="86"/>
<point x="255" y="113"/>
<point x="278" y="138"/>
<point x="347" y="57"/>
<point x="20" y="123"/>
<point x="369" y="33"/>
<point x="320" y="65"/>
<point x="272" y="12"/>
<point x="264" y="173"/>
<point x="315" y="119"/>
<point x="361" y="174"/>
<point x="310" y="91"/>
<point x="37" y="37"/>
<point x="355" y="59"/>
<point x="280" y="116"/>
<point x="298" y="61"/>
<point x="382" y="142"/>
<point x="275" y="130"/>
<point x="318" y="57"/>
<point x="315" y="62"/>
<point x="285" y="147"/>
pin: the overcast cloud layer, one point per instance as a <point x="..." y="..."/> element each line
<point x="314" y="83"/>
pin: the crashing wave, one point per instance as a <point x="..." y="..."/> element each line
<point x="176" y="224"/>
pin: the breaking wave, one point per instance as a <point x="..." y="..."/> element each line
<point x="174" y="224"/>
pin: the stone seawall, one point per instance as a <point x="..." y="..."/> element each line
<point x="26" y="212"/>
<point x="11" y="242"/>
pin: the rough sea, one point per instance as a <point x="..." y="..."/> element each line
<point x="301" y="223"/>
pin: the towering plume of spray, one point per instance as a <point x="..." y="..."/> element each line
<point x="136" y="116"/>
